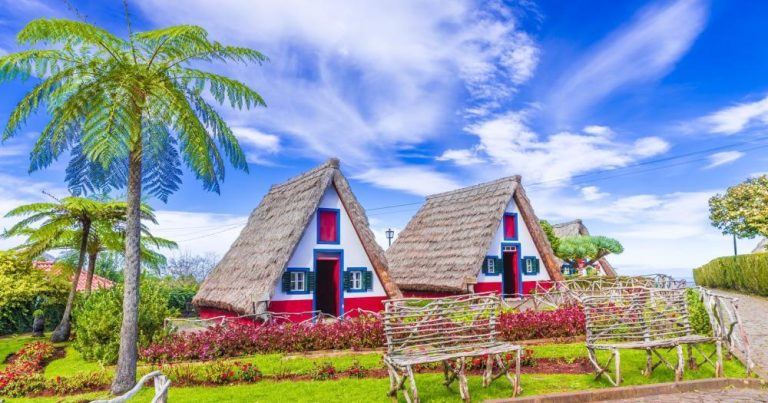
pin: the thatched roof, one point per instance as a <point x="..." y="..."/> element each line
<point x="445" y="243"/>
<point x="761" y="247"/>
<point x="576" y="228"/>
<point x="257" y="259"/>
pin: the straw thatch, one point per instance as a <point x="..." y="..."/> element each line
<point x="443" y="246"/>
<point x="761" y="247"/>
<point x="577" y="228"/>
<point x="254" y="264"/>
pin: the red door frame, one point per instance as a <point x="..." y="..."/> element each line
<point x="337" y="257"/>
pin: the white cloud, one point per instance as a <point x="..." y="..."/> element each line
<point x="418" y="180"/>
<point x="757" y="174"/>
<point x="722" y="158"/>
<point x="199" y="232"/>
<point x="644" y="49"/>
<point x="461" y="157"/>
<point x="591" y="193"/>
<point x="256" y="143"/>
<point x="372" y="76"/>
<point x="736" y="118"/>
<point x="16" y="191"/>
<point x="511" y="144"/>
<point x="598" y="130"/>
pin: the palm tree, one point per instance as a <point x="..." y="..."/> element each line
<point x="130" y="110"/>
<point x="46" y="223"/>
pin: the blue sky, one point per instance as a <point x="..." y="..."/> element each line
<point x="629" y="115"/>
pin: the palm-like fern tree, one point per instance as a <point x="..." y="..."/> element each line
<point x="129" y="110"/>
<point x="46" y="224"/>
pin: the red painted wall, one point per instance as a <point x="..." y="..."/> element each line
<point x="530" y="286"/>
<point x="374" y="304"/>
<point x="209" y="313"/>
<point x="427" y="294"/>
<point x="294" y="306"/>
<point x="488" y="287"/>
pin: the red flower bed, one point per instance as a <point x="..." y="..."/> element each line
<point x="527" y="325"/>
<point x="364" y="332"/>
<point x="21" y="375"/>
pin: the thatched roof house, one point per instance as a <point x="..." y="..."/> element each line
<point x="761" y="247"/>
<point x="283" y="236"/>
<point x="576" y="228"/>
<point x="460" y="240"/>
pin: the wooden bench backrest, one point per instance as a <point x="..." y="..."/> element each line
<point x="416" y="326"/>
<point x="636" y="314"/>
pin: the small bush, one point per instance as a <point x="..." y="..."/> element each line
<point x="357" y="370"/>
<point x="697" y="314"/>
<point x="98" y="320"/>
<point x="323" y="371"/>
<point x="22" y="376"/>
<point x="530" y="324"/>
<point x="744" y="273"/>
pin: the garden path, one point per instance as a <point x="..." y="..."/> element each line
<point x="754" y="314"/>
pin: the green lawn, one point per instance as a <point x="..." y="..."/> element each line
<point x="430" y="386"/>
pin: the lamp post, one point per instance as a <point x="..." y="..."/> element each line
<point x="390" y="234"/>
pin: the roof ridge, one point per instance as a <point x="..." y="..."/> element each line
<point x="563" y="224"/>
<point x="332" y="163"/>
<point x="513" y="178"/>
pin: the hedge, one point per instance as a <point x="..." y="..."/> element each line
<point x="744" y="273"/>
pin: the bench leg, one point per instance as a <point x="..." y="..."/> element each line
<point x="617" y="363"/>
<point x="692" y="364"/>
<point x="719" y="352"/>
<point x="488" y="373"/>
<point x="680" y="364"/>
<point x="414" y="391"/>
<point x="393" y="381"/>
<point x="648" y="362"/>
<point x="603" y="370"/>
<point x="463" y="387"/>
<point x="516" y="388"/>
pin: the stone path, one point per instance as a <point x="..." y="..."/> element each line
<point x="754" y="314"/>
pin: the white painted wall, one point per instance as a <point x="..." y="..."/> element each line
<point x="354" y="254"/>
<point x="527" y="247"/>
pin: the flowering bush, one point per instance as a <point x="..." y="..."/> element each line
<point x="235" y="340"/>
<point x="324" y="371"/>
<point x="357" y="370"/>
<point x="527" y="325"/>
<point x="367" y="331"/>
<point x="22" y="376"/>
<point x="79" y="382"/>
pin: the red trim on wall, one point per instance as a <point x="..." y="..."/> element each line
<point x="427" y="294"/>
<point x="374" y="304"/>
<point x="293" y="306"/>
<point x="210" y="313"/>
<point x="488" y="287"/>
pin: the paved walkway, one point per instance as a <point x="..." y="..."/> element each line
<point x="754" y="314"/>
<point x="730" y="395"/>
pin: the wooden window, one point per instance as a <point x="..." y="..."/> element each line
<point x="328" y="226"/>
<point x="510" y="227"/>
<point x="530" y="265"/>
<point x="358" y="279"/>
<point x="491" y="266"/>
<point x="298" y="283"/>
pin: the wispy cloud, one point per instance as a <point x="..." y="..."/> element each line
<point x="256" y="143"/>
<point x="644" y="49"/>
<point x="737" y="118"/>
<point x="418" y="180"/>
<point x="510" y="144"/>
<point x="591" y="193"/>
<point x="461" y="157"/>
<point x="723" y="158"/>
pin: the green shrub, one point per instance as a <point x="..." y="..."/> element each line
<point x="98" y="320"/>
<point x="744" y="273"/>
<point x="697" y="314"/>
<point x="180" y="294"/>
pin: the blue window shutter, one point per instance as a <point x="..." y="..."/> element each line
<point x="347" y="280"/>
<point x="485" y="265"/>
<point x="499" y="265"/>
<point x="286" y="281"/>
<point x="309" y="280"/>
<point x="368" y="280"/>
<point x="536" y="263"/>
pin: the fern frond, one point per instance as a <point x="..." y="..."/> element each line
<point x="71" y="33"/>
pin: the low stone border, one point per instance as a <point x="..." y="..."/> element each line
<point x="633" y="392"/>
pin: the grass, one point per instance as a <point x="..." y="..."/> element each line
<point x="374" y="390"/>
<point x="70" y="364"/>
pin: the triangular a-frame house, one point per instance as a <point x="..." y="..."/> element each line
<point x="577" y="228"/>
<point x="483" y="238"/>
<point x="306" y="249"/>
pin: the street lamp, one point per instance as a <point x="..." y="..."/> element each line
<point x="390" y="235"/>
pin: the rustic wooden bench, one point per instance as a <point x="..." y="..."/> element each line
<point x="162" y="384"/>
<point x="448" y="331"/>
<point x="644" y="319"/>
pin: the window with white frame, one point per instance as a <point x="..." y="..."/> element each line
<point x="491" y="264"/>
<point x="356" y="280"/>
<point x="529" y="266"/>
<point x="298" y="282"/>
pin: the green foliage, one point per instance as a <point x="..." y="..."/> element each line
<point x="98" y="318"/>
<point x="744" y="273"/>
<point x="697" y="314"/>
<point x="108" y="96"/>
<point x="554" y="240"/>
<point x="743" y="209"/>
<point x="180" y="294"/>
<point x="588" y="248"/>
<point x="25" y="290"/>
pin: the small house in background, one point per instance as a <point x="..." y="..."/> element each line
<point x="761" y="247"/>
<point x="483" y="238"/>
<point x="306" y="248"/>
<point x="98" y="281"/>
<point x="577" y="228"/>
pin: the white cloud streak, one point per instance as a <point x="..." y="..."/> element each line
<point x="735" y="119"/>
<point x="723" y="158"/>
<point x="418" y="180"/>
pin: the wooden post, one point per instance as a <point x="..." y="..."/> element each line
<point x="680" y="364"/>
<point x="648" y="362"/>
<point x="463" y="387"/>
<point x="413" y="387"/>
<point x="617" y="358"/>
<point x="719" y="352"/>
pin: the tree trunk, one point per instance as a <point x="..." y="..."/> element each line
<point x="91" y="268"/>
<point x="125" y="374"/>
<point x="61" y="333"/>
